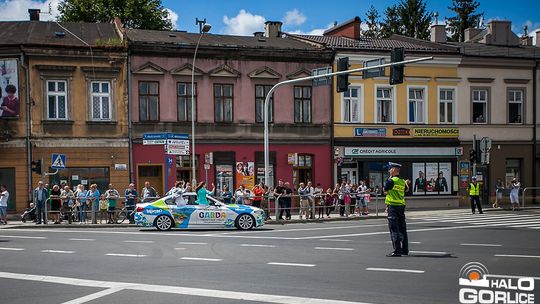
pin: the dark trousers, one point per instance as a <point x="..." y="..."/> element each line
<point x="285" y="206"/>
<point x="475" y="201"/>
<point x="131" y="214"/>
<point x="342" y="207"/>
<point x="41" y="212"/>
<point x="398" y="229"/>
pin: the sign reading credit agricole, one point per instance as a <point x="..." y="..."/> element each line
<point x="394" y="151"/>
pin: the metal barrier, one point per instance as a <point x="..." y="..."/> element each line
<point x="524" y="192"/>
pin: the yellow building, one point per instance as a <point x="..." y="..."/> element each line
<point x="71" y="89"/>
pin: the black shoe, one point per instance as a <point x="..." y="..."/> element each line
<point x="393" y="254"/>
<point x="405" y="253"/>
<point x="481" y="212"/>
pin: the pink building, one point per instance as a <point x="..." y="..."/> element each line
<point x="232" y="77"/>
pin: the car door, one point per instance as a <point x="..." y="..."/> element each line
<point x="212" y="215"/>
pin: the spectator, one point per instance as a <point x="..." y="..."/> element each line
<point x="303" y="192"/>
<point x="258" y="192"/>
<point x="55" y="203"/>
<point x="112" y="196"/>
<point x="319" y="200"/>
<point x="514" y="194"/>
<point x="4" y="197"/>
<point x="202" y="193"/>
<point x="265" y="204"/>
<point x="67" y="203"/>
<point x="499" y="188"/>
<point x="131" y="200"/>
<point x="103" y="206"/>
<point x="41" y="194"/>
<point x="226" y="195"/>
<point x="93" y="197"/>
<point x="329" y="201"/>
<point x="287" y="199"/>
<point x="354" y="199"/>
<point x="278" y="192"/>
<point x="311" y="199"/>
<point x="29" y="213"/>
<point x="81" y="195"/>
<point x="149" y="193"/>
<point x="364" y="197"/>
<point x="344" y="197"/>
<point x="240" y="195"/>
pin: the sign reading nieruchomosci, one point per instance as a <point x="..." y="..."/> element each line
<point x="436" y="132"/>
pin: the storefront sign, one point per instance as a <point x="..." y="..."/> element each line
<point x="370" y="132"/>
<point x="393" y="151"/>
<point x="120" y="167"/>
<point x="401" y="132"/>
<point x="436" y="132"/>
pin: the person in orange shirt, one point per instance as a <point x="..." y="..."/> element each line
<point x="258" y="192"/>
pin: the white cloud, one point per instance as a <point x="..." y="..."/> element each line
<point x="243" y="24"/>
<point x="294" y="17"/>
<point x="17" y="10"/>
<point x="173" y="16"/>
<point x="317" y="31"/>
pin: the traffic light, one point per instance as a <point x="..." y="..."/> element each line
<point x="36" y="166"/>
<point x="473" y="157"/>
<point x="343" y="79"/>
<point x="396" y="71"/>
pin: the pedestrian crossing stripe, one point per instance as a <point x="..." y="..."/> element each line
<point x="531" y="220"/>
<point x="58" y="162"/>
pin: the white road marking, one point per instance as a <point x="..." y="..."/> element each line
<point x="526" y="226"/>
<point x="94" y="296"/>
<point x="517" y="256"/>
<point x="334" y="248"/>
<point x="179" y="248"/>
<point x="57" y="251"/>
<point x="189" y="291"/>
<point x="143" y="242"/>
<point x="24" y="237"/>
<point x="480" y="245"/>
<point x="291" y="264"/>
<point x="395" y="270"/>
<point x="200" y="259"/>
<point x="192" y="243"/>
<point x="389" y="242"/>
<point x="336" y="240"/>
<point x="430" y="252"/>
<point x="126" y="255"/>
<point x="11" y="248"/>
<point x="258" y="245"/>
<point x="88" y="240"/>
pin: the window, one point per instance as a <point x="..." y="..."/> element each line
<point x="513" y="170"/>
<point x="183" y="92"/>
<point x="417" y="105"/>
<point x="384" y="105"/>
<point x="302" y="171"/>
<point x="351" y="105"/>
<point x="149" y="100"/>
<point x="302" y="104"/>
<point x="223" y="102"/>
<point x="515" y="106"/>
<point x="57" y="100"/>
<point x="479" y="106"/>
<point x="101" y="100"/>
<point x="260" y="94"/>
<point x="446" y="105"/>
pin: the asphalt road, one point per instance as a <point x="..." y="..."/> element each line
<point x="294" y="263"/>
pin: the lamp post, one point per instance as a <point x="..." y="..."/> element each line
<point x="203" y="28"/>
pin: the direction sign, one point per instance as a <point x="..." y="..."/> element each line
<point x="164" y="138"/>
<point x="58" y="161"/>
<point x="181" y="142"/>
<point x="485" y="144"/>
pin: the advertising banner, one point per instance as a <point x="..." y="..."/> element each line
<point x="245" y="174"/>
<point x="10" y="105"/>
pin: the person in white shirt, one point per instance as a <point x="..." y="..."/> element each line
<point x="4" y="197"/>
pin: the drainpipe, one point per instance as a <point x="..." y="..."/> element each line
<point x="130" y="129"/>
<point x="535" y="142"/>
<point x="332" y="143"/>
<point x="28" y="121"/>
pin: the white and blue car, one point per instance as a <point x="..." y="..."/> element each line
<point x="180" y="210"/>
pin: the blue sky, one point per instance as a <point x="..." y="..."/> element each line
<point x="242" y="17"/>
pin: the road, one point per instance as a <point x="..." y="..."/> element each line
<point x="338" y="262"/>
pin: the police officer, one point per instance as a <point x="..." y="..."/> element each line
<point x="474" y="193"/>
<point x="395" y="188"/>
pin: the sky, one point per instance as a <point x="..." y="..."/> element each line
<point x="243" y="17"/>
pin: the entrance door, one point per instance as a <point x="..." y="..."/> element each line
<point x="7" y="177"/>
<point x="349" y="174"/>
<point x="152" y="174"/>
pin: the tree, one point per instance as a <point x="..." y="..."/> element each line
<point x="408" y="18"/>
<point x="373" y="24"/>
<point x="139" y="14"/>
<point x="465" y="18"/>
<point x="391" y="23"/>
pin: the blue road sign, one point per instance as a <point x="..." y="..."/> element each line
<point x="58" y="161"/>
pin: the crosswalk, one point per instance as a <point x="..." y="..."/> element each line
<point x="529" y="220"/>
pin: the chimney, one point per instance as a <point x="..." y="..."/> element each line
<point x="34" y="14"/>
<point x="350" y="29"/>
<point x="438" y="33"/>
<point x="538" y="38"/>
<point x="470" y="33"/>
<point x="272" y="28"/>
<point x="258" y="34"/>
<point x="500" y="33"/>
<point x="526" y="41"/>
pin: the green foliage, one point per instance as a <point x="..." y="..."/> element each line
<point x="465" y="17"/>
<point x="408" y="18"/>
<point x="373" y="24"/>
<point x="139" y="14"/>
<point x="110" y="42"/>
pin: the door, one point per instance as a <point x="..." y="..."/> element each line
<point x="212" y="215"/>
<point x="152" y="174"/>
<point x="349" y="174"/>
<point x="7" y="177"/>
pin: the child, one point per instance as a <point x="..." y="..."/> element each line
<point x="103" y="205"/>
<point x="29" y="213"/>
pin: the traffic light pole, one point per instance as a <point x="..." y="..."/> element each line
<point x="267" y="104"/>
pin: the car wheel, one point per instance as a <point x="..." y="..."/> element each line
<point x="163" y="222"/>
<point x="245" y="222"/>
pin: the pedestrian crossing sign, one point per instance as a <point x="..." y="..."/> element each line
<point x="58" y="161"/>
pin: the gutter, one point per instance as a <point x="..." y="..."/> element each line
<point x="333" y="173"/>
<point x="535" y="141"/>
<point x="28" y="124"/>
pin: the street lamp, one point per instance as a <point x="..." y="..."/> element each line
<point x="203" y="28"/>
